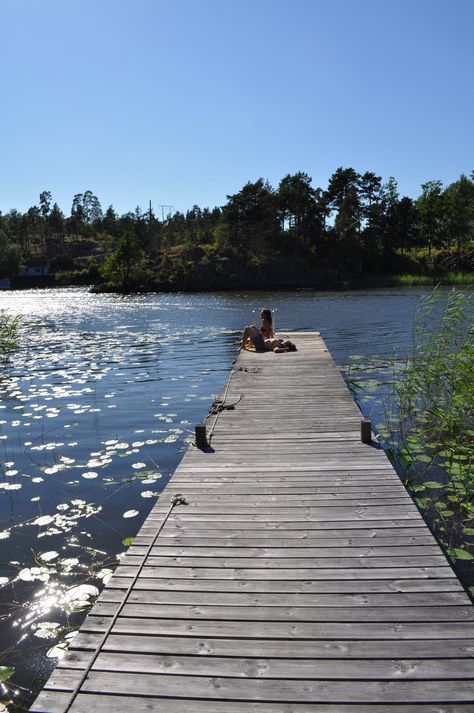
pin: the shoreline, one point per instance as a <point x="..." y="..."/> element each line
<point x="451" y="279"/>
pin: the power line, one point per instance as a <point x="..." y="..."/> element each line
<point x="163" y="206"/>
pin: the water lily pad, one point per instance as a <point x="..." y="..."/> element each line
<point x="6" y="672"/>
<point x="94" y="463"/>
<point x="457" y="553"/>
<point x="43" y="520"/>
<point x="57" y="651"/>
<point x="69" y="563"/>
<point x="151" y="479"/>
<point x="424" y="459"/>
<point x="30" y="574"/>
<point x="105" y="575"/>
<point x="82" y="592"/>
<point x="47" y="629"/>
<point x="130" y="513"/>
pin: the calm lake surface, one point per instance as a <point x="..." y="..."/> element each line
<point x="97" y="405"/>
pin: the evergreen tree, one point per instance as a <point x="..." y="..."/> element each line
<point x="55" y="221"/>
<point x="125" y="267"/>
<point x="459" y="211"/>
<point x="301" y="213"/>
<point x="430" y="210"/>
<point x="250" y="221"/>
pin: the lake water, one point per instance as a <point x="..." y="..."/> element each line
<point x="97" y="405"/>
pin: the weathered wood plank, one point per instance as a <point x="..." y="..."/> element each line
<point x="275" y="668"/>
<point x="265" y="540"/>
<point x="236" y="501"/>
<point x="329" y="514"/>
<point x="283" y="630"/>
<point x="273" y="648"/>
<point x="361" y="534"/>
<point x="310" y="690"/>
<point x="286" y="599"/>
<point x="285" y="525"/>
<point x="150" y="611"/>
<point x="306" y="563"/>
<point x="289" y="573"/>
<point x="195" y="550"/>
<point x="350" y="585"/>
<point x="55" y="702"/>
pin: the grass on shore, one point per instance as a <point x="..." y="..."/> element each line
<point x="465" y="279"/>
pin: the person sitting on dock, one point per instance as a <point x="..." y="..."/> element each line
<point x="273" y="342"/>
<point x="267" y="324"/>
<point x="253" y="337"/>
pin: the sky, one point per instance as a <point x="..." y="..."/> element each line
<point x="182" y="102"/>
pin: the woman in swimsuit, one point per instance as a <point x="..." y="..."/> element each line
<point x="267" y="324"/>
<point x="265" y="340"/>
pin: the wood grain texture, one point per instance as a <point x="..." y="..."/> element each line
<point x="299" y="577"/>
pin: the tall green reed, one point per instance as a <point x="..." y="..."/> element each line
<point x="430" y="418"/>
<point x="8" y="333"/>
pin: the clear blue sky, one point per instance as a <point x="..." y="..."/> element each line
<point x="184" y="101"/>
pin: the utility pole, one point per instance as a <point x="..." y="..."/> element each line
<point x="170" y="210"/>
<point x="162" y="206"/>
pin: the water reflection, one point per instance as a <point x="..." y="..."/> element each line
<point x="96" y="408"/>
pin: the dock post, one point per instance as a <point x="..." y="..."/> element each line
<point x="366" y="430"/>
<point x="201" y="435"/>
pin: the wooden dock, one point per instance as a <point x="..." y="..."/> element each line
<point x="285" y="569"/>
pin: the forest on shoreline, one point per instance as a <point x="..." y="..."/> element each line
<point x="356" y="231"/>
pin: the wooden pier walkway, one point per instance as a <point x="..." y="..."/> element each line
<point x="284" y="570"/>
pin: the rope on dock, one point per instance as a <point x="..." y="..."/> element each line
<point x="178" y="499"/>
<point x="221" y="405"/>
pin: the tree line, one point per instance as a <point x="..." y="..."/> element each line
<point x="357" y="224"/>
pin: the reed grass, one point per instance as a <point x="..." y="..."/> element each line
<point x="447" y="278"/>
<point x="8" y="333"/>
<point x="430" y="418"/>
